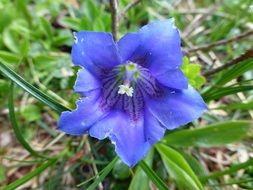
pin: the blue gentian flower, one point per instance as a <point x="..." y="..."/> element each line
<point x="131" y="90"/>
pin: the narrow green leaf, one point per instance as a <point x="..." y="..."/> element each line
<point x="209" y="136"/>
<point x="216" y="93"/>
<point x="15" y="126"/>
<point x="236" y="71"/>
<point x="153" y="176"/>
<point x="31" y="89"/>
<point x="141" y="176"/>
<point x="232" y="169"/>
<point x="217" y="90"/>
<point x="104" y="173"/>
<point x="237" y="106"/>
<point x="178" y="168"/>
<point x="232" y="182"/>
<point x="14" y="185"/>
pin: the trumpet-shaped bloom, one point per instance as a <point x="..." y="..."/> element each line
<point x="131" y="90"/>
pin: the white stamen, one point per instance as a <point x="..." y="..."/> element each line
<point x="126" y="89"/>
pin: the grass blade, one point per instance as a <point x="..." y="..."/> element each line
<point x="141" y="176"/>
<point x="230" y="170"/>
<point x="30" y="175"/>
<point x="217" y="93"/>
<point x="237" y="106"/>
<point x="31" y="89"/>
<point x="236" y="71"/>
<point x="104" y="173"/>
<point x="153" y="176"/>
<point x="15" y="126"/>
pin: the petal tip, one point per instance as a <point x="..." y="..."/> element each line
<point x="63" y="124"/>
<point x="130" y="159"/>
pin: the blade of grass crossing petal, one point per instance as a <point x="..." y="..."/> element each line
<point x="178" y="168"/>
<point x="31" y="89"/>
<point x="15" y="126"/>
<point x="153" y="176"/>
<point x="30" y="175"/>
<point x="101" y="177"/>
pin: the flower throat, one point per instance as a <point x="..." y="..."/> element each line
<point x="129" y="74"/>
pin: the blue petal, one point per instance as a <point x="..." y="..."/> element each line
<point x="78" y="121"/>
<point x="85" y="82"/>
<point x="157" y="47"/>
<point x="176" y="108"/>
<point x="157" y="43"/>
<point x="127" y="136"/>
<point x="127" y="45"/>
<point x="103" y="128"/>
<point x="154" y="131"/>
<point x="161" y="41"/>
<point x="173" y="79"/>
<point x="95" y="51"/>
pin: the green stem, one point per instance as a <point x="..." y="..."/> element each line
<point x="232" y="169"/>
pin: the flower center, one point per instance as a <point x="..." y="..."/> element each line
<point x="126" y="87"/>
<point x="129" y="73"/>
